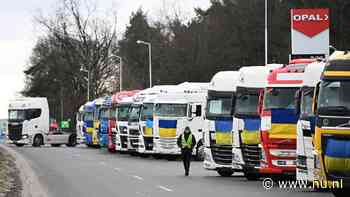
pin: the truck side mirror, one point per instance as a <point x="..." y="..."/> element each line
<point x="315" y="98"/>
<point x="297" y="100"/>
<point x="198" y="110"/>
<point x="233" y="104"/>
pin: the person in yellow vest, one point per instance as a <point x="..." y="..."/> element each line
<point x="186" y="142"/>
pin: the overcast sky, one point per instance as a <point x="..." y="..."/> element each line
<point x="18" y="33"/>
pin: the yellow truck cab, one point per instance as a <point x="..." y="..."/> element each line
<point x="331" y="140"/>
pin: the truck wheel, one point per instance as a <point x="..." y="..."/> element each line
<point x="111" y="150"/>
<point x="38" y="141"/>
<point x="200" y="152"/>
<point x="225" y="172"/>
<point x="72" y="141"/>
<point x="55" y="145"/>
<point x="251" y="176"/>
<point x="19" y="145"/>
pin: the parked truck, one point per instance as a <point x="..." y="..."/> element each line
<point x="29" y="123"/>
<point x="218" y="124"/>
<point x="90" y="134"/>
<point x="306" y="122"/>
<point x="112" y="123"/>
<point x="331" y="106"/>
<point x="123" y="113"/>
<point x="140" y="125"/>
<point x="175" y="111"/>
<point x="246" y="152"/>
<point x="279" y="119"/>
<point x="104" y="115"/>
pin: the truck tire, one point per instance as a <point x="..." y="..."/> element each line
<point x="200" y="152"/>
<point x="111" y="150"/>
<point x="225" y="172"/>
<point x="72" y="141"/>
<point x="38" y="141"/>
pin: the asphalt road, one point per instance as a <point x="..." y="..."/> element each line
<point x="86" y="172"/>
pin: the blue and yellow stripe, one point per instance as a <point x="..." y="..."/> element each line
<point x="250" y="134"/>
<point x="149" y="127"/>
<point x="223" y="130"/>
<point x="283" y="124"/>
<point x="167" y="128"/>
<point x="337" y="155"/>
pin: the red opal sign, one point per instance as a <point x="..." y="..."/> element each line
<point x="310" y="22"/>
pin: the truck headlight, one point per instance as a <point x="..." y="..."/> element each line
<point x="283" y="153"/>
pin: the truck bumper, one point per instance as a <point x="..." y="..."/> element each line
<point x="210" y="164"/>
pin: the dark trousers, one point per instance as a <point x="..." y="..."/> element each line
<point x="186" y="158"/>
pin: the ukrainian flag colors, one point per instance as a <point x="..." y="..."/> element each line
<point x="167" y="128"/>
<point x="149" y="127"/>
<point x="283" y="124"/>
<point x="250" y="134"/>
<point x="223" y="130"/>
<point x="90" y="130"/>
<point x="337" y="155"/>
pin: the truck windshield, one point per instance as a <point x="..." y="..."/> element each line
<point x="219" y="107"/>
<point x="123" y="112"/>
<point x="306" y="102"/>
<point x="17" y="115"/>
<point x="279" y="98"/>
<point x="147" y="111"/>
<point x="88" y="116"/>
<point x="334" y="98"/>
<point x="135" y="112"/>
<point x="171" y="110"/>
<point x="113" y="113"/>
<point x="247" y="102"/>
<point x="104" y="113"/>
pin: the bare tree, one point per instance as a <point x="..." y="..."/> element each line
<point x="86" y="35"/>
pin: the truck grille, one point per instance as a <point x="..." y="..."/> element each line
<point x="222" y="154"/>
<point x="170" y="143"/>
<point x="134" y="132"/>
<point x="251" y="155"/>
<point x="15" y="131"/>
<point x="134" y="143"/>
<point x="124" y="141"/>
<point x="148" y="143"/>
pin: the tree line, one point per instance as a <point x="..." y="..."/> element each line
<point x="226" y="36"/>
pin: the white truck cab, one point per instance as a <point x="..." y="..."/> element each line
<point x="140" y="126"/>
<point x="246" y="152"/>
<point x="218" y="124"/>
<point x="123" y="110"/>
<point x="29" y="123"/>
<point x="306" y="122"/>
<point x="176" y="110"/>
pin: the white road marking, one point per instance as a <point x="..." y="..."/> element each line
<point x="103" y="163"/>
<point x="138" y="177"/>
<point x="165" y="188"/>
<point x="117" y="169"/>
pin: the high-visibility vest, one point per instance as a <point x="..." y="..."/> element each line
<point x="188" y="143"/>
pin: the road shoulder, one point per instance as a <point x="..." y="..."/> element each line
<point x="31" y="186"/>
